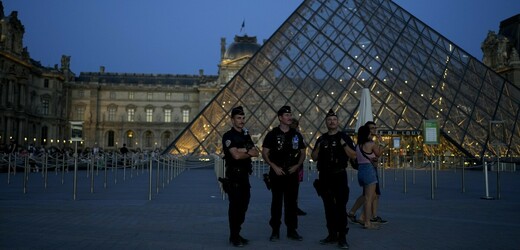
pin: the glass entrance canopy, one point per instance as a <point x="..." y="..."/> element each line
<point x="327" y="51"/>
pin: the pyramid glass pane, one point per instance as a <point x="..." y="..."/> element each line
<point x="329" y="50"/>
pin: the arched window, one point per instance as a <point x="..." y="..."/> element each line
<point x="148" y="139"/>
<point x="110" y="138"/>
<point x="45" y="134"/>
<point x="166" y="139"/>
<point x="130" y="138"/>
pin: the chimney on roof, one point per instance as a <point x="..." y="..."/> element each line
<point x="101" y="69"/>
<point x="222" y="47"/>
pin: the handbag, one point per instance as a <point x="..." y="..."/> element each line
<point x="353" y="163"/>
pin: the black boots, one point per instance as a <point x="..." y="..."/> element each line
<point x="238" y="241"/>
<point x="330" y="239"/>
<point x="275" y="235"/>
<point x="293" y="235"/>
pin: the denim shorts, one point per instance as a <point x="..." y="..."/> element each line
<point x="366" y="174"/>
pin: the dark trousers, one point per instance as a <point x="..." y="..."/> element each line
<point x="335" y="196"/>
<point x="239" y="197"/>
<point x="284" y="190"/>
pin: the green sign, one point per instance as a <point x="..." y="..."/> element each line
<point x="431" y="131"/>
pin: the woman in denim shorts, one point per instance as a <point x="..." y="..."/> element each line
<point x="367" y="151"/>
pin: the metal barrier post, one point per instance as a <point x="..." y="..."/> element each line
<point x="404" y="178"/>
<point x="161" y="159"/>
<point x="498" y="176"/>
<point x="25" y="176"/>
<point x="150" y="180"/>
<point x="463" y="172"/>
<point x="396" y="167"/>
<point x="414" y="164"/>
<point x="63" y="167"/>
<point x="169" y="160"/>
<point x="157" y="180"/>
<point x="486" y="197"/>
<point x="115" y="173"/>
<point x="105" y="179"/>
<point x="383" y="177"/>
<point x="437" y="169"/>
<point x="88" y="164"/>
<point x="75" y="185"/>
<point x="45" y="171"/>
<point x="124" y="170"/>
<point x="432" y="178"/>
<point x="94" y="161"/>
<point x="9" y="169"/>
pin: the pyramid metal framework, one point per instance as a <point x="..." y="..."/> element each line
<point x="327" y="51"/>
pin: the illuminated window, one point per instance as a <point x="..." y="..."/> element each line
<point x="45" y="107"/>
<point x="168" y="96"/>
<point x="111" y="114"/>
<point x="149" y="96"/>
<point x="131" y="115"/>
<point x="149" y="115"/>
<point x="131" y="95"/>
<point x="185" y="116"/>
<point x="167" y="115"/>
<point x="80" y="113"/>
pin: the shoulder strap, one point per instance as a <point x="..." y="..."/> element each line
<point x="363" y="152"/>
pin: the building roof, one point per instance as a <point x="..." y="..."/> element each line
<point x="241" y="47"/>
<point x="140" y="78"/>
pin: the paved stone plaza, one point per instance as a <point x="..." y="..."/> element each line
<point x="189" y="213"/>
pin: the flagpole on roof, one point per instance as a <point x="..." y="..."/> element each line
<point x="243" y="27"/>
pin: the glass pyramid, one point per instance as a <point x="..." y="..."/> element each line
<point x="327" y="51"/>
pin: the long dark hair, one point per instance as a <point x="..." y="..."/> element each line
<point x="363" y="135"/>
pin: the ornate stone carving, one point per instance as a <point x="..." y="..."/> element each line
<point x="65" y="63"/>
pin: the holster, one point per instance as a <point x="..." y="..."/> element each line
<point x="226" y="184"/>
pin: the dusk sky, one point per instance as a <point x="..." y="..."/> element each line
<point x="181" y="37"/>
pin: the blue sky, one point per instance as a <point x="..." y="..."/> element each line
<point x="181" y="37"/>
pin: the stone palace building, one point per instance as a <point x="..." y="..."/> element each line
<point x="143" y="111"/>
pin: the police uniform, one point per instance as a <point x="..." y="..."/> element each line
<point x="284" y="151"/>
<point x="334" y="190"/>
<point x="237" y="172"/>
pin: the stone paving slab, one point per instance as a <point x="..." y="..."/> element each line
<point x="189" y="213"/>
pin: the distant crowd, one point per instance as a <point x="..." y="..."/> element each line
<point x="13" y="148"/>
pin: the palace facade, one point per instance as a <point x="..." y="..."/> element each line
<point x="143" y="111"/>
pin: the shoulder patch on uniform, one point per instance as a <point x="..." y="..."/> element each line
<point x="228" y="142"/>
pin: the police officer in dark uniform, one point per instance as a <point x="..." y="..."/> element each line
<point x="238" y="150"/>
<point x="284" y="151"/>
<point x="332" y="151"/>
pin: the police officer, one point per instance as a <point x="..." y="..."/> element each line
<point x="283" y="150"/>
<point x="238" y="150"/>
<point x="332" y="151"/>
